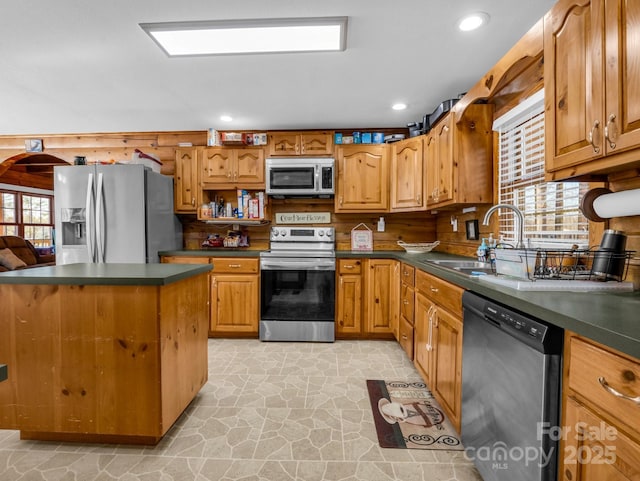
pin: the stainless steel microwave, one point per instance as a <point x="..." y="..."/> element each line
<point x="300" y="177"/>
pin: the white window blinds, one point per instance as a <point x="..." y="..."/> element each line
<point x="552" y="217"/>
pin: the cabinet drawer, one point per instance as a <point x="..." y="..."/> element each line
<point x="440" y="291"/>
<point x="405" y="337"/>
<point x="235" y="265"/>
<point x="407" y="302"/>
<point x="591" y="366"/>
<point x="349" y="266"/>
<point x="185" y="259"/>
<point x="407" y="274"/>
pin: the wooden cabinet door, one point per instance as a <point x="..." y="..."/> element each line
<point x="349" y="305"/>
<point x="380" y="301"/>
<point x="593" y="450"/>
<point x="622" y="74"/>
<point x="216" y="166"/>
<point x="432" y="169"/>
<point x="363" y="178"/>
<point x="249" y="167"/>
<point x="284" y="143"/>
<point x="423" y="337"/>
<point x="186" y="189"/>
<point x="447" y="351"/>
<point x="574" y="83"/>
<point x="407" y="174"/>
<point x="234" y="303"/>
<point x="316" y="143"/>
<point x="444" y="154"/>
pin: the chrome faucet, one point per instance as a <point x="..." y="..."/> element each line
<point x="519" y="215"/>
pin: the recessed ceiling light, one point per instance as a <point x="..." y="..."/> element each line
<point x="226" y="118"/>
<point x="473" y="21"/>
<point x="269" y="35"/>
<point x="399" y="106"/>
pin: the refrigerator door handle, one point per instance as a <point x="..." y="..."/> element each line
<point x="90" y="215"/>
<point x="100" y="224"/>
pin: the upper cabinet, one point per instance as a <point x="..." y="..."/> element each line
<point x="363" y="178"/>
<point x="300" y="143"/>
<point x="459" y="159"/>
<point x="592" y="93"/>
<point x="222" y="167"/>
<point x="407" y="176"/>
<point x="186" y="189"/>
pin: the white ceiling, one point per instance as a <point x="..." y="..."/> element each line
<point x="72" y="66"/>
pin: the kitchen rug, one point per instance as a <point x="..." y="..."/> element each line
<point x="407" y="416"/>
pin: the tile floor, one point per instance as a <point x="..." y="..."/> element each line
<point x="270" y="411"/>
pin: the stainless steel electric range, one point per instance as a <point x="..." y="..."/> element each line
<point x="297" y="285"/>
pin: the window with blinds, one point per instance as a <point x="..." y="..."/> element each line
<point x="552" y="218"/>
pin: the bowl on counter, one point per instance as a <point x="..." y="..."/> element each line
<point x="418" y="247"/>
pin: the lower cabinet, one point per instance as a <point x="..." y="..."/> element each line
<point x="367" y="289"/>
<point x="403" y="330"/>
<point x="600" y="436"/>
<point x="349" y="298"/>
<point x="438" y="341"/>
<point x="235" y="296"/>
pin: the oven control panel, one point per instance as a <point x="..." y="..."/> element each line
<point x="302" y="234"/>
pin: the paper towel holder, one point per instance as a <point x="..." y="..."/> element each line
<point x="622" y="198"/>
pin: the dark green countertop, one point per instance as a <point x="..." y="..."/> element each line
<point x="105" y="274"/>
<point x="3" y="372"/>
<point x="611" y="318"/>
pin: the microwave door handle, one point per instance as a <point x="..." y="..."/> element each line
<point x="317" y="177"/>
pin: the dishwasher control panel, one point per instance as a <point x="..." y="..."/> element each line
<point x="534" y="332"/>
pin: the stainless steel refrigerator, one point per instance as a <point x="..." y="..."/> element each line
<point x="113" y="213"/>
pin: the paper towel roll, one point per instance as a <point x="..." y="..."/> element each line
<point x="601" y="204"/>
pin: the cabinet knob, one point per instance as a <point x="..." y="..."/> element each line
<point x="434" y="289"/>
<point x="348" y="267"/>
<point x="404" y="337"/>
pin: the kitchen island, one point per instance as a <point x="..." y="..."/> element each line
<point x="109" y="353"/>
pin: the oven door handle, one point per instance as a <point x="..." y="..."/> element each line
<point x="298" y="265"/>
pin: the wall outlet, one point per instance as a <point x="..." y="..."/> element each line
<point x="381" y="224"/>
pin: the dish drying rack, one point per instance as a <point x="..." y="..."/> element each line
<point x="558" y="264"/>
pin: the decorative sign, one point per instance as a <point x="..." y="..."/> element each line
<point x="303" y="218"/>
<point x="361" y="240"/>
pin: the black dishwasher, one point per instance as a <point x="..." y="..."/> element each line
<point x="511" y="375"/>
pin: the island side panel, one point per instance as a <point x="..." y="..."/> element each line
<point x="84" y="360"/>
<point x="127" y="360"/>
<point x="184" y="324"/>
<point x="29" y="322"/>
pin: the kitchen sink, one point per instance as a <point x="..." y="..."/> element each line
<point x="468" y="267"/>
<point x="461" y="264"/>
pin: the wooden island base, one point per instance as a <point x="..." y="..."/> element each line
<point x="101" y="363"/>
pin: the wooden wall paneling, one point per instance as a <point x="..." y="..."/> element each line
<point x="409" y="227"/>
<point x="108" y="146"/>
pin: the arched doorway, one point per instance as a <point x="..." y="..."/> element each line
<point x="33" y="170"/>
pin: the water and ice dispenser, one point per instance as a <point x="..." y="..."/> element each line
<point x="74" y="226"/>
